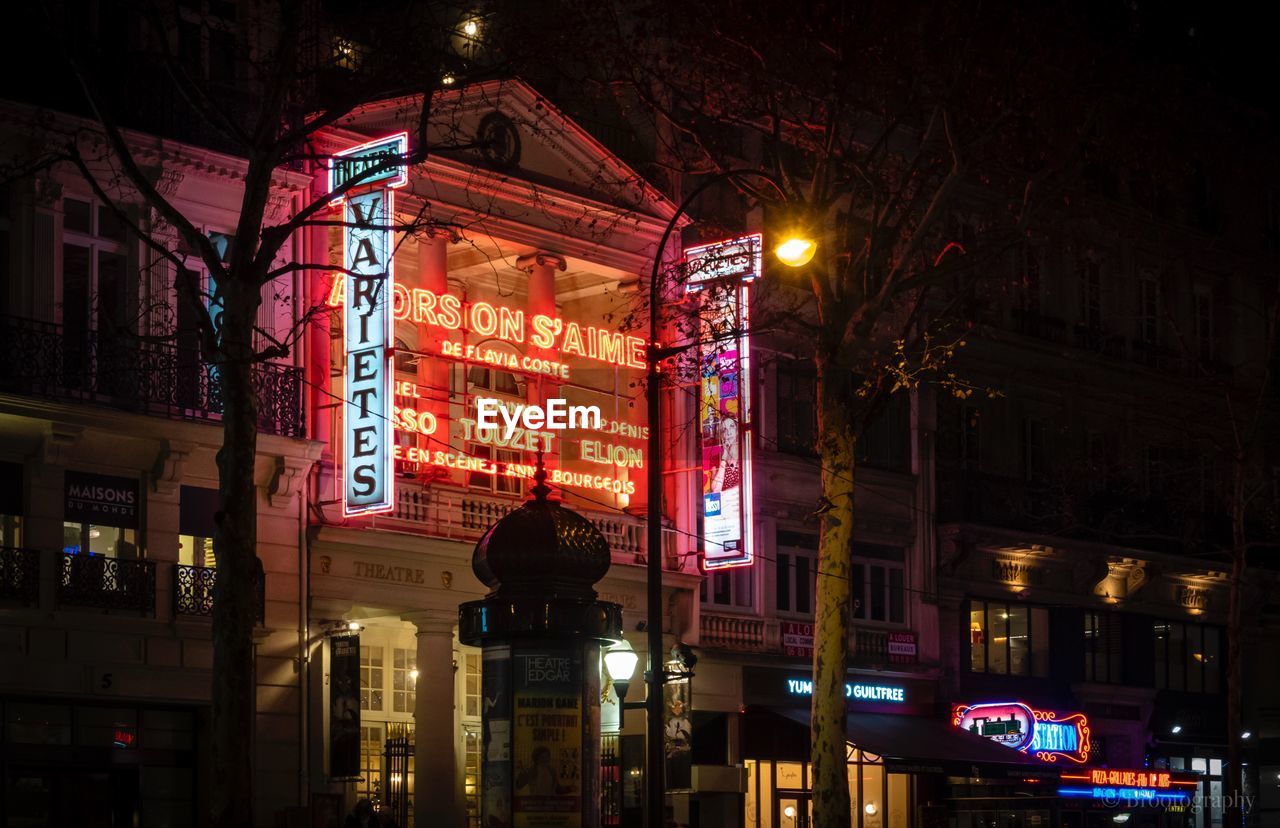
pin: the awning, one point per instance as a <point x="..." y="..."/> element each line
<point x="916" y="744"/>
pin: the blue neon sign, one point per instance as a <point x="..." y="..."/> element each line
<point x="855" y="691"/>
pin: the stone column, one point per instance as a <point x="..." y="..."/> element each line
<point x="541" y="268"/>
<point x="433" y="371"/>
<point x="437" y="802"/>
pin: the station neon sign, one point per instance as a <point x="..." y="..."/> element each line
<point x="489" y="321"/>
<point x="1046" y="734"/>
<point x="1135" y="787"/>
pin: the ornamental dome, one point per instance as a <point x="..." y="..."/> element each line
<point x="541" y="548"/>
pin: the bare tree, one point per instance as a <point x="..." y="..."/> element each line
<point x="262" y="87"/>
<point x="912" y="145"/>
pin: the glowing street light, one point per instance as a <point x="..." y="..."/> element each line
<point x="796" y="251"/>
<point x="620" y="663"/>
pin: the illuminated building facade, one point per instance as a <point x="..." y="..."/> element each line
<point x="517" y="290"/>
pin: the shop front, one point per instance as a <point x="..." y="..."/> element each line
<point x="900" y="753"/>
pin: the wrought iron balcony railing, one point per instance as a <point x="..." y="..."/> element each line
<point x="193" y="591"/>
<point x="107" y="583"/>
<point x="20" y="575"/>
<point x="42" y="359"/>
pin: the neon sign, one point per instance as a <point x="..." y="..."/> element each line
<point x="855" y="691"/>
<point x="483" y="319"/>
<point x="361" y="160"/>
<point x="1131" y="786"/>
<point x="724" y="398"/>
<point x="368" y="406"/>
<point x="1045" y="734"/>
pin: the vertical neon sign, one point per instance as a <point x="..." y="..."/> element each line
<point x="368" y="477"/>
<point x="724" y="396"/>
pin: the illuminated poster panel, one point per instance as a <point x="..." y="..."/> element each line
<point x="724" y="404"/>
<point x="368" y="407"/>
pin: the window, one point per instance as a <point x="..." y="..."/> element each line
<point x="371" y="679"/>
<point x="1035" y="453"/>
<point x="95" y="539"/>
<point x="1103" y="647"/>
<point x="369" y="786"/>
<point x="197" y="506"/>
<point x="879" y="583"/>
<point x="970" y="438"/>
<point x="98" y="296"/>
<point x="1149" y="310"/>
<point x="499" y="483"/>
<point x="6" y="299"/>
<point x="1209" y="815"/>
<point x="796" y="404"/>
<point x="885" y="440"/>
<point x="11" y="492"/>
<point x="1091" y="293"/>
<point x="734" y="588"/>
<point x="1203" y="322"/>
<point x="797" y="571"/>
<point x="491" y="379"/>
<point x="1029" y="257"/>
<point x="1187" y="656"/>
<point x="472" y="677"/>
<point x="471" y="751"/>
<point x="1009" y="639"/>
<point x="404" y="679"/>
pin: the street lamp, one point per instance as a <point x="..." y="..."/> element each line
<point x="620" y="664"/>
<point x="796" y="251"/>
<point x="655" y="755"/>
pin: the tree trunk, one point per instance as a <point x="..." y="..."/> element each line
<point x="235" y="541"/>
<point x="1233" y="816"/>
<point x="836" y="442"/>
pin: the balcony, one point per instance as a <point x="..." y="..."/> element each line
<point x="458" y="514"/>
<point x="193" y="592"/>
<point x="43" y="360"/>
<point x="20" y="575"/>
<point x="868" y="646"/>
<point x="99" y="582"/>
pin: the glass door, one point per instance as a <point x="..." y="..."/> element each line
<point x="795" y="810"/>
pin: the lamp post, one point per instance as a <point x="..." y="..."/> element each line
<point x="794" y="252"/>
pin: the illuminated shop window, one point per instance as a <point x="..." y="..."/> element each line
<point x="1008" y="639"/>
<point x="371" y="677"/>
<point x="94" y="539"/>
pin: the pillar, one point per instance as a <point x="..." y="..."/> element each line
<point x="541" y="299"/>
<point x="436" y="795"/>
<point x="318" y="283"/>
<point x="433" y="371"/>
